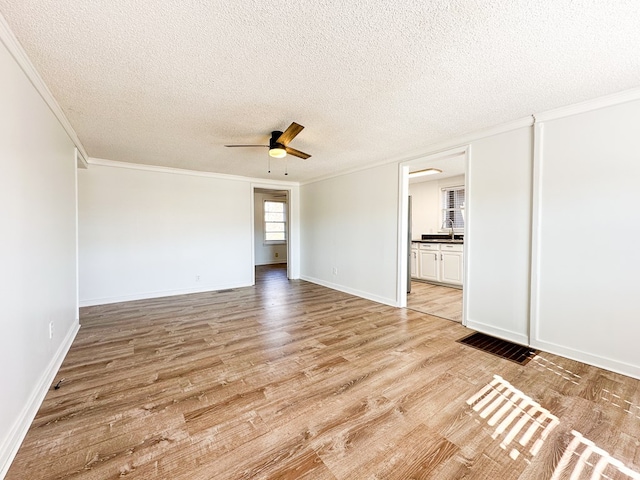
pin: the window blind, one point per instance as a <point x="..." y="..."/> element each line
<point x="453" y="207"/>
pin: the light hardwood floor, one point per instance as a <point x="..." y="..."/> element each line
<point x="291" y="380"/>
<point x="438" y="300"/>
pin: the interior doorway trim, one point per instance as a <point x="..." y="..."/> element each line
<point x="293" y="227"/>
<point x="403" y="220"/>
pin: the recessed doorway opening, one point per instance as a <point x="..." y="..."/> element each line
<point x="432" y="234"/>
<point x="271" y="227"/>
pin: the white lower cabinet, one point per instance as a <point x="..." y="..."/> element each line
<point x="451" y="267"/>
<point x="429" y="263"/>
<point x="441" y="262"/>
<point x="414" y="260"/>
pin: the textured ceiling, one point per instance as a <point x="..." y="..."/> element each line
<point x="170" y="82"/>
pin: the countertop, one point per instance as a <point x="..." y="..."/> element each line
<point x="448" y="240"/>
<point x="436" y="238"/>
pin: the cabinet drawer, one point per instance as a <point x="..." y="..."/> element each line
<point x="429" y="246"/>
<point x="446" y="247"/>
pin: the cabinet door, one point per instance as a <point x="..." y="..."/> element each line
<point x="451" y="268"/>
<point x="429" y="265"/>
<point x="414" y="262"/>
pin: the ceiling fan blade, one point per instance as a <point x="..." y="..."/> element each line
<point x="247" y="146"/>
<point x="297" y="153"/>
<point x="288" y="135"/>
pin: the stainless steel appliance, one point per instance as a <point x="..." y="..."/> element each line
<point x="409" y="249"/>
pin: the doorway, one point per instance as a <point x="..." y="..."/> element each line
<point x="432" y="234"/>
<point x="271" y="229"/>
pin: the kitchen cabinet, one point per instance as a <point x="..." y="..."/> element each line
<point x="451" y="266"/>
<point x="429" y="254"/>
<point x="441" y="263"/>
<point x="414" y="260"/>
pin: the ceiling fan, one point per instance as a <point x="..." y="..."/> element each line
<point x="279" y="143"/>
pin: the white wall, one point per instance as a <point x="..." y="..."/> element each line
<point x="266" y="253"/>
<point x="151" y="233"/>
<point x="350" y="223"/>
<point x="37" y="254"/>
<point x="585" y="302"/>
<point x="425" y="205"/>
<point x="498" y="234"/>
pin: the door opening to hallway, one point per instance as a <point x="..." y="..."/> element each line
<point x="271" y="227"/>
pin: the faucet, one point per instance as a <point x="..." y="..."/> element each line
<point x="451" y="232"/>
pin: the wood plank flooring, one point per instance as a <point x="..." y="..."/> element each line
<point x="438" y="300"/>
<point x="290" y="380"/>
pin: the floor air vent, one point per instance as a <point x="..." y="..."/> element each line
<point x="228" y="290"/>
<point x="500" y="348"/>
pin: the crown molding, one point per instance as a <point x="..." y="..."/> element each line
<point x="81" y="162"/>
<point x="348" y="171"/>
<point x="103" y="162"/>
<point x="463" y="141"/>
<point x="566" y="111"/>
<point x="436" y="148"/>
<point x="20" y="56"/>
<point x="589" y="105"/>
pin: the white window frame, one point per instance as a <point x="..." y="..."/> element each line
<point x="446" y="227"/>
<point x="264" y="222"/>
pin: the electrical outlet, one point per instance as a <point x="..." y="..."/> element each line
<point x="50" y="330"/>
<point x="335" y="270"/>
<point x="276" y="254"/>
<point x="197" y="278"/>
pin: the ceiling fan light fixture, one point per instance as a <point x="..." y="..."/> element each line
<point x="277" y="152"/>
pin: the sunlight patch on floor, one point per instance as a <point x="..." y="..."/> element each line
<point x="513" y="414"/>
<point x="583" y="459"/>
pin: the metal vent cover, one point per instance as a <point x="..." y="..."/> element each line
<point x="500" y="348"/>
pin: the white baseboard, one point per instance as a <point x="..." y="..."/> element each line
<point x="352" y="291"/>
<point x="616" y="366"/>
<point x="90" y="302"/>
<point x="10" y="446"/>
<point x="498" y="332"/>
<point x="274" y="262"/>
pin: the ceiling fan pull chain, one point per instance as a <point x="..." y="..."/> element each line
<point x="286" y="163"/>
<point x="268" y="163"/>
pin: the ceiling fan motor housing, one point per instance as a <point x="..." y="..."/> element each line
<point x="273" y="142"/>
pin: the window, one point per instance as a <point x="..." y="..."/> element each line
<point x="275" y="222"/>
<point x="453" y="208"/>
